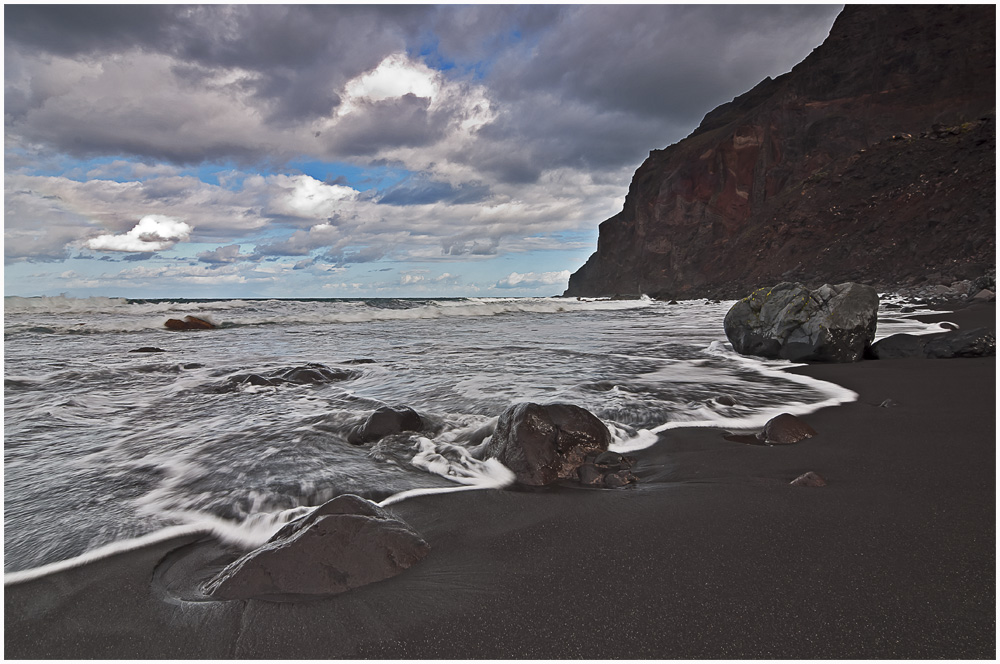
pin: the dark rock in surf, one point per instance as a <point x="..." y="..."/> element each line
<point x="385" y="421"/>
<point x="148" y="349"/>
<point x="788" y="321"/>
<point x="345" y="543"/>
<point x="544" y="444"/>
<point x="189" y="323"/>
<point x="310" y="374"/>
<point x="979" y="342"/>
<point x="809" y="479"/>
<point x="313" y="374"/>
<point x="785" y="429"/>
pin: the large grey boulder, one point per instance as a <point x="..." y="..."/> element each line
<point x="345" y="543"/>
<point x="788" y="321"/>
<point x="542" y="444"/>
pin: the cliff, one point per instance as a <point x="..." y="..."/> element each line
<point x="873" y="160"/>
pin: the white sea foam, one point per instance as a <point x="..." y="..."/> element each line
<point x="103" y="444"/>
<point x="491" y="474"/>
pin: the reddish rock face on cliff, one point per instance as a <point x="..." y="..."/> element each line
<point x="872" y="160"/>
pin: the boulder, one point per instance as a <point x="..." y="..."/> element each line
<point x="385" y="421"/>
<point x="979" y="342"/>
<point x="542" y="444"/>
<point x="785" y="429"/>
<point x="345" y="543"/>
<point x="189" y="323"/>
<point x="829" y="324"/>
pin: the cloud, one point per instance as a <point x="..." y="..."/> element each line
<point x="222" y="255"/>
<point x="480" y="131"/>
<point x="471" y="248"/>
<point x="530" y="280"/>
<point x="421" y="277"/>
<point x="300" y="243"/>
<point x="145" y="256"/>
<point x="364" y="255"/>
<point x="308" y="198"/>
<point x="154" y="232"/>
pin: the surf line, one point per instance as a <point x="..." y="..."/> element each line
<point x="102" y="552"/>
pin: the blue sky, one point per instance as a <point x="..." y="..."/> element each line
<point x="350" y="151"/>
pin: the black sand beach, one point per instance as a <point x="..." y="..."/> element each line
<point x="712" y="555"/>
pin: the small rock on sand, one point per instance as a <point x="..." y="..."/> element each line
<point x="809" y="479"/>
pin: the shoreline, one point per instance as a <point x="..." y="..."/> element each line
<point x="712" y="555"/>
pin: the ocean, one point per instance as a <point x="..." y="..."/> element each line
<point x="105" y="448"/>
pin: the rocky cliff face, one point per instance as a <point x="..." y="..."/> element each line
<point x="872" y="160"/>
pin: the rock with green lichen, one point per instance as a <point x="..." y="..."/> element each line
<point x="788" y="321"/>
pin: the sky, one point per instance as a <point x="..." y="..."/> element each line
<point x="350" y="150"/>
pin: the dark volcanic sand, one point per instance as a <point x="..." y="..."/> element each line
<point x="713" y="555"/>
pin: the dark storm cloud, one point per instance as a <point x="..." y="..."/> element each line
<point x="296" y="56"/>
<point x="143" y="256"/>
<point x="405" y="121"/>
<point x="83" y="29"/>
<point x="607" y="83"/>
<point x="639" y="76"/>
<point x="663" y="60"/>
<point x="264" y="37"/>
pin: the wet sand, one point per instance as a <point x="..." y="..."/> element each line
<point x="712" y="555"/>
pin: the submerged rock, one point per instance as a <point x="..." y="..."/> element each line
<point x="607" y="469"/>
<point x="384" y="422"/>
<point x="980" y="342"/>
<point x="345" y="543"/>
<point x="147" y="349"/>
<point x="545" y="443"/>
<point x="829" y="324"/>
<point x="309" y="374"/>
<point x="189" y="323"/>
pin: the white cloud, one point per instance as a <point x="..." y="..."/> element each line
<point x="529" y="280"/>
<point x="410" y="279"/>
<point x="154" y="232"/>
<point x="394" y="77"/>
<point x="307" y="197"/>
